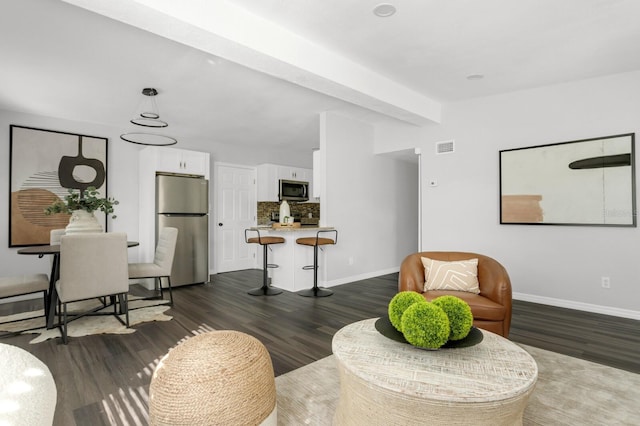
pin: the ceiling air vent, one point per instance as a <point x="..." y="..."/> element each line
<point x="446" y="147"/>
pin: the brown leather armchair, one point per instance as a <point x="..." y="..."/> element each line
<point x="491" y="308"/>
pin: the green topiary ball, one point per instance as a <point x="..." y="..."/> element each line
<point x="400" y="303"/>
<point x="459" y="313"/>
<point x="425" y="325"/>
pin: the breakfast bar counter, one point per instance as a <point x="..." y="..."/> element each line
<point x="284" y="228"/>
<point x="291" y="257"/>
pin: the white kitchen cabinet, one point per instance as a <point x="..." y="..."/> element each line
<point x="269" y="175"/>
<point x="183" y="161"/>
<point x="317" y="175"/>
<point x="294" y="173"/>
<point x="307" y="176"/>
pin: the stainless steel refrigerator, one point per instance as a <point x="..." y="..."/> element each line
<point x="183" y="202"/>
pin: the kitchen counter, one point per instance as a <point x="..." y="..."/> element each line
<point x="291" y="257"/>
<point x="293" y="229"/>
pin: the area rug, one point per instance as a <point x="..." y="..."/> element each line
<point x="569" y="391"/>
<point x="140" y="311"/>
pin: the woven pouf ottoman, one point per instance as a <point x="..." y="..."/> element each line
<point x="216" y="378"/>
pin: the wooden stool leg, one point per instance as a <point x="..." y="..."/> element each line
<point x="315" y="291"/>
<point x="265" y="290"/>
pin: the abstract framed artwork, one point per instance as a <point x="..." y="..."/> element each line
<point x="44" y="165"/>
<point x="587" y="182"/>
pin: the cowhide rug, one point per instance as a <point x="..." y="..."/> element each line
<point x="140" y="311"/>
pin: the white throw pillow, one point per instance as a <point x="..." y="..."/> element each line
<point x="458" y="275"/>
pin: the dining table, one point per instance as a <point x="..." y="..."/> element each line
<point x="52" y="295"/>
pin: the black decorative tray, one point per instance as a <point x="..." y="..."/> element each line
<point x="384" y="327"/>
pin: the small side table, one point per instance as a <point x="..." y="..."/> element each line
<point x="384" y="382"/>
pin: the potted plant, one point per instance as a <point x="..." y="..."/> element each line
<point x="89" y="202"/>
<point x="459" y="314"/>
<point x="81" y="206"/>
<point x="425" y="325"/>
<point x="430" y="325"/>
<point x="399" y="303"/>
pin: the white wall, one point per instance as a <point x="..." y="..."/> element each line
<point x="560" y="265"/>
<point x="122" y="177"/>
<point x="371" y="199"/>
<point x="376" y="217"/>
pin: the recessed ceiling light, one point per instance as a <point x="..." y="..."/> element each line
<point x="384" y="10"/>
<point x="475" y="77"/>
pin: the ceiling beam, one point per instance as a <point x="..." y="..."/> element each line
<point x="232" y="33"/>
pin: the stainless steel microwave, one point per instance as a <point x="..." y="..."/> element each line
<point x="293" y="190"/>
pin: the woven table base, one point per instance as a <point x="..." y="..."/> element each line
<point x="384" y="382"/>
<point x="366" y="405"/>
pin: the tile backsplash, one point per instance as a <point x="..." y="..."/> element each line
<point x="303" y="209"/>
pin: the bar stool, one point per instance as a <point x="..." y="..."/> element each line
<point x="265" y="242"/>
<point x="316" y="242"/>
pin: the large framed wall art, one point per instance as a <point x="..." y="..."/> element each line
<point x="44" y="165"/>
<point x="583" y="182"/>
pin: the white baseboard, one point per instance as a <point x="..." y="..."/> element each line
<point x="570" y="304"/>
<point x="353" y="278"/>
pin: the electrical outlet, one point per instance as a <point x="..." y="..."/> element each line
<point x="606" y="282"/>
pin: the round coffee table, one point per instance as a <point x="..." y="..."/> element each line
<point x="384" y="382"/>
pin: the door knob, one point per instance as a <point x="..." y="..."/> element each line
<point x="220" y="224"/>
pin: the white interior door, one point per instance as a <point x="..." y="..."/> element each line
<point x="235" y="211"/>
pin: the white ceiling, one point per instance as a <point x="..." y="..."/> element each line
<point x="306" y="56"/>
<point x="432" y="45"/>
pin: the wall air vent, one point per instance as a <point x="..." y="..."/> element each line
<point x="445" y="147"/>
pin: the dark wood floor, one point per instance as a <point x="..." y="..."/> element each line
<point x="104" y="379"/>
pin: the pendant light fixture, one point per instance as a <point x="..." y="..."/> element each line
<point x="149" y="117"/>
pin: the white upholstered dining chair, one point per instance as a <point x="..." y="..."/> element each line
<point x="30" y="283"/>
<point x="25" y="284"/>
<point x="93" y="265"/>
<point x="162" y="261"/>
